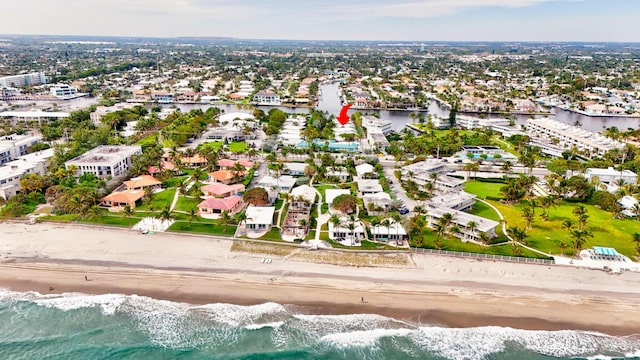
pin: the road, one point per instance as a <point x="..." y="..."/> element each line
<point x="397" y="190"/>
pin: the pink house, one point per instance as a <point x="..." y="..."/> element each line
<point x="221" y="190"/>
<point x="231" y="204"/>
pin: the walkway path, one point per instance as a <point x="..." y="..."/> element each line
<point x="504" y="230"/>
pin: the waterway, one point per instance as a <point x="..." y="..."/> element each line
<point x="330" y="102"/>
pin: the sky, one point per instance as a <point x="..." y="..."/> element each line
<point x="395" y="20"/>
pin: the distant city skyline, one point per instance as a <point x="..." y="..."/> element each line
<point x="401" y="20"/>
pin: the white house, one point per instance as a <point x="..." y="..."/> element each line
<point x="630" y="206"/>
<point x="266" y="97"/>
<point x="371" y="186"/>
<point x="343" y="233"/>
<point x="393" y="232"/>
<point x="283" y="183"/>
<point x="331" y="194"/>
<point x="363" y="170"/>
<point x="454" y="200"/>
<point x="259" y="218"/>
<point x="63" y="91"/>
<point x="374" y="202"/>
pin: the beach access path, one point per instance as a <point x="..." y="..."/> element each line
<point x="52" y="258"/>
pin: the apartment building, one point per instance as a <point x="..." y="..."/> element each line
<point x="105" y="161"/>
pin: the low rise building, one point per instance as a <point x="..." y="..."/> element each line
<point x="259" y="219"/>
<point x="63" y="91"/>
<point x="470" y="226"/>
<point x="13" y="171"/>
<point x="267" y="97"/>
<point x="14" y="146"/>
<point x="105" y="161"/>
<point x="612" y="176"/>
<point x="231" y="204"/>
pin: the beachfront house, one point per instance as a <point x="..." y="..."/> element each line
<point x="259" y="218"/>
<point x="297" y="219"/>
<point x="231" y="204"/>
<point x="348" y="231"/>
<point x="388" y="230"/>
<point x="283" y="183"/>
<point x="470" y="226"/>
<point x="117" y="200"/>
<point x="227" y="176"/>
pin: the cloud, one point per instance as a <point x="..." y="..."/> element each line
<point x="435" y="8"/>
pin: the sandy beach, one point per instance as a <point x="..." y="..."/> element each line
<point x="427" y="289"/>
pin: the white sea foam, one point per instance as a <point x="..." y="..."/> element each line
<point x="363" y="338"/>
<point x="274" y="325"/>
<point x="477" y="343"/>
<point x="237" y="315"/>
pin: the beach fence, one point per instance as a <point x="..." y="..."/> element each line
<point x="484" y="256"/>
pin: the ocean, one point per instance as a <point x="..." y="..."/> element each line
<point x="79" y="326"/>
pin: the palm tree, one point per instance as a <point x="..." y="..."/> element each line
<point x="240" y="217"/>
<point x="563" y="246"/>
<point x="636" y="239"/>
<point x="507" y="166"/>
<point x="581" y="213"/>
<point x="445" y="221"/>
<point x="166" y="214"/>
<point x="128" y="212"/>
<point x="517" y="234"/>
<point x="472" y="225"/>
<point x="579" y="238"/>
<point x="237" y="170"/>
<point x="94" y="213"/>
<point x="387" y="224"/>
<point x="303" y="223"/>
<point x="528" y="214"/>
<point x="484" y="239"/>
<point x="193" y="214"/>
<point x="351" y="226"/>
<point x="374" y="223"/>
<point x="225" y="219"/>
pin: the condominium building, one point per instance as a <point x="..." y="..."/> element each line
<point x="63" y="91"/>
<point x="568" y="136"/>
<point x="14" y="146"/>
<point x="13" y="171"/>
<point x="611" y="175"/>
<point x="105" y="161"/>
<point x="371" y="122"/>
<point x="16" y="81"/>
<point x="470" y="226"/>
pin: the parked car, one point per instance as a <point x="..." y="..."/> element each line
<point x="403" y="210"/>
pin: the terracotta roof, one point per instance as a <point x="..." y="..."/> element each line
<point x="225" y="175"/>
<point x="142" y="181"/>
<point x="127" y="196"/>
<point x="227" y="163"/>
<point x="227" y="203"/>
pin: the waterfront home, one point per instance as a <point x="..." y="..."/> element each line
<point x="259" y="218"/>
<point x="389" y="230"/>
<point x="297" y="219"/>
<point x="117" y="200"/>
<point x="348" y="231"/>
<point x="143" y="182"/>
<point x="231" y="204"/>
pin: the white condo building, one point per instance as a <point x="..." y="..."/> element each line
<point x="63" y="91"/>
<point x="105" y="161"/>
<point x="14" y="146"/>
<point x="12" y="172"/>
<point x="569" y="136"/>
<point x="17" y="81"/>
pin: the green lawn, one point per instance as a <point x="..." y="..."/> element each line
<point x="485" y="211"/>
<point x="546" y="235"/>
<point x="455" y="244"/>
<point x="113" y="220"/>
<point x="147" y="141"/>
<point x="237" y="146"/>
<point x="186" y="204"/>
<point x="322" y="188"/>
<point x="203" y="228"/>
<point x="214" y="145"/>
<point x="159" y="201"/>
<point x="483" y="189"/>
<point x="273" y="235"/>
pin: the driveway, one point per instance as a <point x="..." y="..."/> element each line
<point x="397" y="190"/>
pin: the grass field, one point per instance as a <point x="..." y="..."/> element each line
<point x="546" y="235"/>
<point x="483" y="189"/>
<point x="159" y="200"/>
<point x="237" y="146"/>
<point x="186" y="204"/>
<point x="203" y="228"/>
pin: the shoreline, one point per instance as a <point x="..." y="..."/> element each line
<point x="428" y="290"/>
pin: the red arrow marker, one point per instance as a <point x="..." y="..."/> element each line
<point x="344" y="118"/>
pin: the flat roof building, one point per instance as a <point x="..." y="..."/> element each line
<point x="569" y="136"/>
<point x="14" y="146"/>
<point x="105" y="161"/>
<point x="13" y="171"/>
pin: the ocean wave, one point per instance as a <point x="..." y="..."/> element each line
<point x="477" y="343"/>
<point x="363" y="338"/>
<point x="220" y="326"/>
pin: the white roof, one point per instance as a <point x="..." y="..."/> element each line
<point x="363" y="169"/>
<point x="34" y="114"/>
<point x="377" y="196"/>
<point x="297" y="167"/>
<point x="282" y="181"/>
<point x="369" y="185"/>
<point x="260" y="214"/>
<point x="237" y="115"/>
<point x="306" y="191"/>
<point x="394" y="228"/>
<point x="331" y="194"/>
<point x="342" y="227"/>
